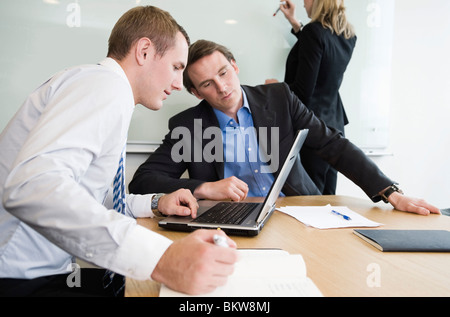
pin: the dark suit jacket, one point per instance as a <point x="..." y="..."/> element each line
<point x="271" y="106"/>
<point x="315" y="69"/>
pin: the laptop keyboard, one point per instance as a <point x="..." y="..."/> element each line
<point x="227" y="212"/>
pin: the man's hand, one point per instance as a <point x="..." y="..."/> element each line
<point x="180" y="202"/>
<point x="229" y="188"/>
<point x="270" y="81"/>
<point x="414" y="205"/>
<point x="195" y="265"/>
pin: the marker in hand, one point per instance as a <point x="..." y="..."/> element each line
<point x="281" y="3"/>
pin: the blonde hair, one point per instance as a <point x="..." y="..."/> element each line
<point x="331" y="14"/>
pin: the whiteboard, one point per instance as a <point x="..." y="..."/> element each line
<point x="41" y="37"/>
<point x="366" y="89"/>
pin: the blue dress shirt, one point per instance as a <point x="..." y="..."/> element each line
<point x="241" y="151"/>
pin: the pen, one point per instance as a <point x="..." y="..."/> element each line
<point x="281" y="3"/>
<point x="339" y="214"/>
<point x="221" y="241"/>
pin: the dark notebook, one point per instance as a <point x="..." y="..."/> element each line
<point x="407" y="240"/>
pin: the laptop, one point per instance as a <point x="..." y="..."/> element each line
<point x="238" y="218"/>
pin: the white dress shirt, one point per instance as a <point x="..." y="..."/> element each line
<point x="58" y="157"/>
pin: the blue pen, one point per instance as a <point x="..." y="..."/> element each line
<point x="339" y="214"/>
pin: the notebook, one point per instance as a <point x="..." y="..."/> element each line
<point x="262" y="273"/>
<point x="407" y="240"/>
<point x="255" y="214"/>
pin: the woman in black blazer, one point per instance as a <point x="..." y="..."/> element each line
<point x="314" y="71"/>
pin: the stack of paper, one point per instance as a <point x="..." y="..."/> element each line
<point x="327" y="217"/>
<point x="263" y="273"/>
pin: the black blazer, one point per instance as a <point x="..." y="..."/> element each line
<point x="271" y="106"/>
<point x="315" y="69"/>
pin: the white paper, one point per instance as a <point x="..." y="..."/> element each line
<point x="322" y="217"/>
<point x="263" y="273"/>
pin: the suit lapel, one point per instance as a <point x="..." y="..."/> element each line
<point x="263" y="117"/>
<point x="209" y="119"/>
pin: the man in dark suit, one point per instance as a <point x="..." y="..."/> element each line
<point x="272" y="114"/>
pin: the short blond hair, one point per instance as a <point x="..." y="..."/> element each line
<point x="144" y="21"/>
<point x="331" y="14"/>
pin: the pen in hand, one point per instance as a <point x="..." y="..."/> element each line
<point x="341" y="215"/>
<point x="221" y="241"/>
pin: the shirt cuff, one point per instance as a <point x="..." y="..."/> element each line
<point x="139" y="253"/>
<point x="140" y="206"/>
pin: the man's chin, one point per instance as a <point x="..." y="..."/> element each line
<point x="154" y="106"/>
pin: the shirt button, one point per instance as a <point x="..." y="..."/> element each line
<point x="256" y="171"/>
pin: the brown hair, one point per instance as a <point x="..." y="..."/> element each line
<point x="198" y="50"/>
<point x="144" y="21"/>
<point x="331" y="14"/>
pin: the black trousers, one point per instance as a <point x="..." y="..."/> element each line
<point x="321" y="173"/>
<point x="91" y="285"/>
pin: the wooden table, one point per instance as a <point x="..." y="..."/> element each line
<point x="340" y="263"/>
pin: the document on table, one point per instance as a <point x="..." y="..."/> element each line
<point x="328" y="217"/>
<point x="263" y="273"/>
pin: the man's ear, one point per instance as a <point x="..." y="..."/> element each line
<point x="196" y="94"/>
<point x="144" y="49"/>
<point x="235" y="66"/>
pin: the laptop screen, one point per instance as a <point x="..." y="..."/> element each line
<point x="278" y="184"/>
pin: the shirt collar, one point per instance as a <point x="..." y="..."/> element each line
<point x="245" y="101"/>
<point x="224" y="119"/>
<point x="115" y="67"/>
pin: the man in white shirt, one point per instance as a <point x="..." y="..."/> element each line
<point x="59" y="156"/>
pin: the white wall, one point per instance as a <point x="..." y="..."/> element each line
<point x="419" y="107"/>
<point x="420" y="103"/>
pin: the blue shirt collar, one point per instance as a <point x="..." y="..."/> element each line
<point x="224" y="119"/>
